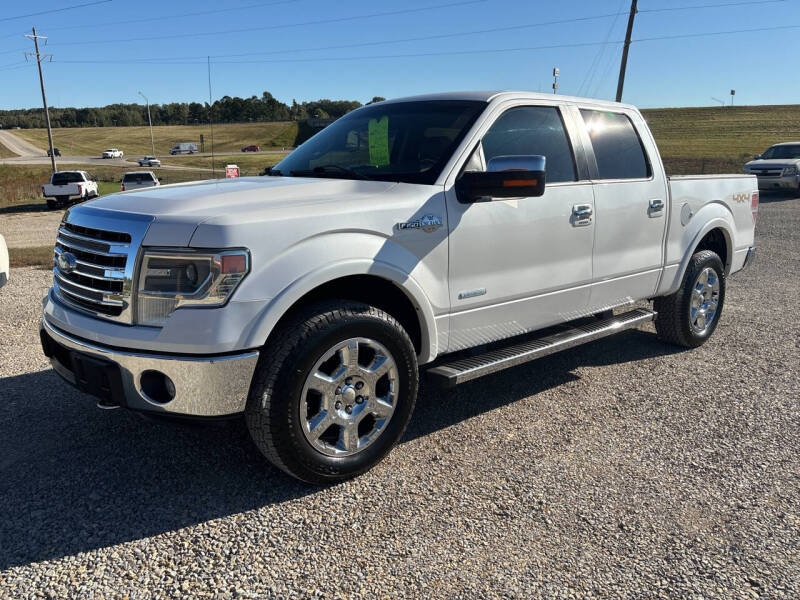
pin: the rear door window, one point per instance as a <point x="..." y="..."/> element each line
<point x="532" y="130"/>
<point x="617" y="148"/>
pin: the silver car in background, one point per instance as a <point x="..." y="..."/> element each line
<point x="778" y="168"/>
<point x="133" y="180"/>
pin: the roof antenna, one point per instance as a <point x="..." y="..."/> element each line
<point x="211" y="120"/>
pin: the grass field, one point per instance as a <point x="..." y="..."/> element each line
<point x="135" y="141"/>
<point x="5" y="152"/>
<point x="719" y="139"/>
<point x="21" y="184"/>
<point x="249" y="164"/>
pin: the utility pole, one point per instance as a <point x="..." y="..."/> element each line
<point x="152" y="143"/>
<point x="556" y="72"/>
<point x="39" y="58"/>
<point x="624" y="64"/>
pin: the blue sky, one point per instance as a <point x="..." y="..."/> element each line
<point x="95" y="65"/>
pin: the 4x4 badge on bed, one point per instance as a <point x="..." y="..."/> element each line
<point x="428" y="224"/>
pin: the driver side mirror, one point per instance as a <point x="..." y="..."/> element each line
<point x="757" y="157"/>
<point x="505" y="177"/>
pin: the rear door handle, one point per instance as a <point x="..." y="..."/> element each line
<point x="582" y="215"/>
<point x="656" y="207"/>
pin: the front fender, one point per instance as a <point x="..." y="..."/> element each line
<point x="684" y="240"/>
<point x="325" y="258"/>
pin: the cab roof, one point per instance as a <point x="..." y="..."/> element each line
<point x="489" y="96"/>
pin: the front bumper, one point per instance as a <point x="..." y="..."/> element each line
<point x="789" y="182"/>
<point x="202" y="386"/>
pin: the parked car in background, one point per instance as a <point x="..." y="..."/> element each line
<point x="404" y="232"/>
<point x="69" y="186"/>
<point x="4" y="266"/>
<point x="778" y="168"/>
<point x="113" y="153"/>
<point x="56" y="151"/>
<point x="133" y="180"/>
<point x="184" y="148"/>
<point x="149" y="161"/>
<point x="252" y="148"/>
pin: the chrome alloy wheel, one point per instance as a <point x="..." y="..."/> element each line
<point x="704" y="301"/>
<point x="349" y="397"/>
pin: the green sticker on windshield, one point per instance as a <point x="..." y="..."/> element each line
<point x="379" y="142"/>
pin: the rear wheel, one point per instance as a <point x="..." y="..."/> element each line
<point x="689" y="316"/>
<point x="334" y="392"/>
<point x="52" y="204"/>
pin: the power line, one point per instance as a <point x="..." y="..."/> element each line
<point x="55" y="10"/>
<point x="178" y="16"/>
<point x="384" y="42"/>
<point x="699" y="6"/>
<point x="283" y="26"/>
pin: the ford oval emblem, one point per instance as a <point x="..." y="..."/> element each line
<point x="67" y="262"/>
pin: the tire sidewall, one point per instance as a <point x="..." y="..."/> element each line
<point x="294" y="449"/>
<point x="701" y="262"/>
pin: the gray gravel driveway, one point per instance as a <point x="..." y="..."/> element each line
<point x="622" y="469"/>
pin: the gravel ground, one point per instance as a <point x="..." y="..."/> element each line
<point x="30" y="229"/>
<point x="622" y="469"/>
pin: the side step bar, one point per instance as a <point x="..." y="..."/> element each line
<point x="472" y="367"/>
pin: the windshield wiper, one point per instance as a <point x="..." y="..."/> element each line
<point x="330" y="170"/>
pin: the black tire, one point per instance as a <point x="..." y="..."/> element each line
<point x="673" y="323"/>
<point x="52" y="204"/>
<point x="273" y="407"/>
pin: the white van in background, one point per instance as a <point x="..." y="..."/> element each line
<point x="184" y="148"/>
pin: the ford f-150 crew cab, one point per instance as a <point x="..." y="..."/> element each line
<point x="467" y="232"/>
<point x="69" y="186"/>
<point x="778" y="168"/>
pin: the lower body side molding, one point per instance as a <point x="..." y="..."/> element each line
<point x="472" y="367"/>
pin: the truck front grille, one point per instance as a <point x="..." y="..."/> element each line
<point x="93" y="267"/>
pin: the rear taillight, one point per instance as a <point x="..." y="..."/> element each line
<point x="42" y="190"/>
<point x="754" y="206"/>
<point x="123" y="187"/>
<point x="80" y="189"/>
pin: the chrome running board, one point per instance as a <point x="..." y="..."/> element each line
<point x="472" y="367"/>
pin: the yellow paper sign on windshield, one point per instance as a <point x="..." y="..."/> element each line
<point x="379" y="142"/>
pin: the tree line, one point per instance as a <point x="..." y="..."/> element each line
<point x="225" y="110"/>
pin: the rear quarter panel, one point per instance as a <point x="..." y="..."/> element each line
<point x="699" y="204"/>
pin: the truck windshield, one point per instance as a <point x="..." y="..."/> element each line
<point x="400" y="141"/>
<point x="67" y="177"/>
<point x="792" y="151"/>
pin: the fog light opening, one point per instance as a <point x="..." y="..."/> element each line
<point x="157" y="387"/>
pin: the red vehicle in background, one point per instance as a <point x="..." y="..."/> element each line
<point x="251" y="148"/>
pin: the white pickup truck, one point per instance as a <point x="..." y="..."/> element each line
<point x="69" y="186"/>
<point x="467" y="232"/>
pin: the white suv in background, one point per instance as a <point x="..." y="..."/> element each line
<point x="133" y="180"/>
<point x="112" y="153"/>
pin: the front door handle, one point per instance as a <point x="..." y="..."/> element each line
<point x="656" y="207"/>
<point x="582" y="215"/>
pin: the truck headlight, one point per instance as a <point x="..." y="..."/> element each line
<point x="790" y="171"/>
<point x="171" y="279"/>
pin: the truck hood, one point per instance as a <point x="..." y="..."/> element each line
<point x="772" y="163"/>
<point x="178" y="209"/>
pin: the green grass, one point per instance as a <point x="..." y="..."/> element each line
<point x="135" y="141"/>
<point x="719" y="139"/>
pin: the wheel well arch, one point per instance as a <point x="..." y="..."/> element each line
<point x="370" y="289"/>
<point x="717" y="241"/>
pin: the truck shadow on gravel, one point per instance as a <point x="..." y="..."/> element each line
<point x="74" y="478"/>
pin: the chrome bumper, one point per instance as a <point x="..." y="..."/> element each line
<point x="201" y="386"/>
<point x="789" y="182"/>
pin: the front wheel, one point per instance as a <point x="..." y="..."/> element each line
<point x="689" y="316"/>
<point x="334" y="391"/>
